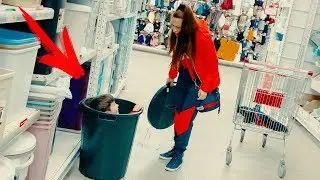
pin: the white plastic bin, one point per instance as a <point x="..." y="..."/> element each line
<point x="6" y="169"/>
<point x="20" y="151"/>
<point x="44" y="133"/>
<point x="23" y="3"/>
<point x="6" y="77"/>
<point x="22" y="62"/>
<point x="76" y="19"/>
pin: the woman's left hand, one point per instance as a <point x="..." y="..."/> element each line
<point x="202" y="95"/>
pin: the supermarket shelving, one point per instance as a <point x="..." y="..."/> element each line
<point x="65" y="152"/>
<point x="309" y="123"/>
<point x="11" y="14"/>
<point x="18" y="126"/>
<point x="47" y="79"/>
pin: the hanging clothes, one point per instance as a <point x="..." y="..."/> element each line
<point x="261" y="25"/>
<point x="149" y="28"/>
<point x="221" y="21"/>
<point x="227" y="5"/>
<point x="226" y="27"/>
<point x="242" y="22"/>
<point x="155" y="40"/>
<point x="240" y="36"/>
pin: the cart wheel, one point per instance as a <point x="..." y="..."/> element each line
<point x="264" y="140"/>
<point x="282" y="169"/>
<point x="229" y="155"/>
<point x="243" y="132"/>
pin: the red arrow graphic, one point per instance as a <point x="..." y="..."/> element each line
<point x="67" y="61"/>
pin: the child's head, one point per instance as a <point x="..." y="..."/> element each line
<point x="105" y="103"/>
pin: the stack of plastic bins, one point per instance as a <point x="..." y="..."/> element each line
<point x="70" y="116"/>
<point x="18" y="51"/>
<point x="44" y="130"/>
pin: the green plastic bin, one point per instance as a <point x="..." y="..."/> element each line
<point x="107" y="141"/>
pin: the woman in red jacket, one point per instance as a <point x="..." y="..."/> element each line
<point x="195" y="60"/>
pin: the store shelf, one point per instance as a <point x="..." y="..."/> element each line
<point x="309" y="122"/>
<point x="120" y="88"/>
<point x="56" y="73"/>
<point x="90" y="54"/>
<point x="113" y="17"/>
<point x="11" y="14"/>
<point x="65" y="152"/>
<point x="315" y="84"/>
<point x="17" y="127"/>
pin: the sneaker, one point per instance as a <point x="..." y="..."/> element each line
<point x="167" y="156"/>
<point x="174" y="164"/>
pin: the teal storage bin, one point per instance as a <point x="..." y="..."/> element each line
<point x="107" y="141"/>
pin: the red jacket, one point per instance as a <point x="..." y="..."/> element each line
<point x="206" y="61"/>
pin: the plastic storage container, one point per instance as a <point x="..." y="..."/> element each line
<point x="6" y="77"/>
<point x="6" y="169"/>
<point x="20" y="151"/>
<point x="76" y="19"/>
<point x="107" y="141"/>
<point x="44" y="132"/>
<point x="18" y="52"/>
<point x="23" y="3"/>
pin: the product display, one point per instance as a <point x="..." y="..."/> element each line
<point x="249" y="29"/>
<point x="47" y="122"/>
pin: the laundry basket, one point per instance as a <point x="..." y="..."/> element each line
<point x="20" y="151"/>
<point x="107" y="140"/>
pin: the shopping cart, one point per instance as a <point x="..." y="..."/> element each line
<point x="267" y="104"/>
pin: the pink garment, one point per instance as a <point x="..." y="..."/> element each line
<point x="227" y="5"/>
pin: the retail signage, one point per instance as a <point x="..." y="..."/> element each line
<point x="65" y="60"/>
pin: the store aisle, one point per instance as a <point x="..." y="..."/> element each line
<point x="205" y="158"/>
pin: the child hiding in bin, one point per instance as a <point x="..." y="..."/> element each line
<point x="107" y="103"/>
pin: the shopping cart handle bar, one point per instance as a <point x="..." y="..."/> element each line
<point x="256" y="64"/>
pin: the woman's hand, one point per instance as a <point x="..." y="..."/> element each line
<point x="137" y="108"/>
<point x="202" y="95"/>
<point x="170" y="82"/>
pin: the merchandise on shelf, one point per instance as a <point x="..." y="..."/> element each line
<point x="22" y="3"/>
<point x="249" y="32"/>
<point x="50" y="105"/>
<point x="76" y="19"/>
<point x="21" y="152"/>
<point x="18" y="52"/>
<point x="7" y="168"/>
<point x="6" y="78"/>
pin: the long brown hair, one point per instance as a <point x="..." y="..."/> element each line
<point x="185" y="43"/>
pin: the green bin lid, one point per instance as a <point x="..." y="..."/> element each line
<point x="161" y="109"/>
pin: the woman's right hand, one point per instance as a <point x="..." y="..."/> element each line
<point x="170" y="82"/>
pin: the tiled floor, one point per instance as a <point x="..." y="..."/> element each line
<point x="205" y="158"/>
